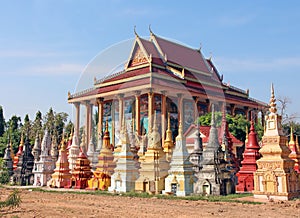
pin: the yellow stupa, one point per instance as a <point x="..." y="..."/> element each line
<point x="154" y="167"/>
<point x="105" y="167"/>
<point x="168" y="143"/>
<point x="275" y="177"/>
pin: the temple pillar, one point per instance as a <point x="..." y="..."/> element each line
<point x="232" y="108"/>
<point x="163" y="116"/>
<point x="180" y="109"/>
<point x="121" y="110"/>
<point x="88" y="121"/>
<point x="137" y="112"/>
<point x="100" y="115"/>
<point x="77" y="119"/>
<point x="150" y="110"/>
<point x="247" y="113"/>
<point x="196" y="112"/>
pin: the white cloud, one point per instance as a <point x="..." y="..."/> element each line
<point x="238" y="65"/>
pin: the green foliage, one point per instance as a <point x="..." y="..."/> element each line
<point x="4" y="175"/>
<point x="69" y="128"/>
<point x="236" y="125"/>
<point x="2" y="122"/>
<point x="12" y="201"/>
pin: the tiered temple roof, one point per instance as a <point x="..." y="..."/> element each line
<point x="159" y="62"/>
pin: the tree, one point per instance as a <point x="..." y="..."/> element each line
<point x="37" y="126"/>
<point x="236" y="125"/>
<point x="2" y="122"/>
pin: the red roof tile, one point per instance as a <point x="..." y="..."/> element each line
<point x="182" y="55"/>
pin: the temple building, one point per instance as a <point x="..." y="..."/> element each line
<point x="275" y="177"/>
<point x="251" y="155"/>
<point x="43" y="167"/>
<point x="158" y="75"/>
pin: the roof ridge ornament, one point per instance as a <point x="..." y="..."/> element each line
<point x="135" y="33"/>
<point x="150" y="30"/>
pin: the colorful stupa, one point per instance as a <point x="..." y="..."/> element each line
<point x="7" y="160"/>
<point x="180" y="179"/>
<point x="295" y="152"/>
<point x="154" y="167"/>
<point x="106" y="165"/>
<point x="81" y="172"/>
<point x="92" y="155"/>
<point x="43" y="168"/>
<point x="61" y="178"/>
<point x="125" y="173"/>
<point x="211" y="178"/>
<point x="73" y="152"/>
<point x="168" y="143"/>
<point x="251" y="155"/>
<point x="275" y="177"/>
<point x="19" y="153"/>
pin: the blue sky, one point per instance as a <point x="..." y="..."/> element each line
<point x="45" y="45"/>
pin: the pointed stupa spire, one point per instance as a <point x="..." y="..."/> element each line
<point x="273" y="108"/>
<point x="36" y="151"/>
<point x="247" y="137"/>
<point x="7" y="160"/>
<point x="252" y="138"/>
<point x="83" y="142"/>
<point x="198" y="141"/>
<point x="106" y="137"/>
<point x="213" y="141"/>
<point x="213" y="123"/>
<point x="292" y="141"/>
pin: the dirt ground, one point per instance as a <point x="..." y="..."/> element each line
<point x="46" y="204"/>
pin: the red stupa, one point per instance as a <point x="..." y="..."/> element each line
<point x="19" y="153"/>
<point x="251" y="155"/>
<point x="295" y="154"/>
<point x="82" y="172"/>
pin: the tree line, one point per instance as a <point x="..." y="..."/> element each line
<point x="57" y="124"/>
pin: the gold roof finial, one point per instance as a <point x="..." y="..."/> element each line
<point x="150" y="30"/>
<point x="292" y="140"/>
<point x="135" y="33"/>
<point x="273" y="108"/>
<point x="69" y="94"/>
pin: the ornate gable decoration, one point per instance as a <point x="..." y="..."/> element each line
<point x="138" y="55"/>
